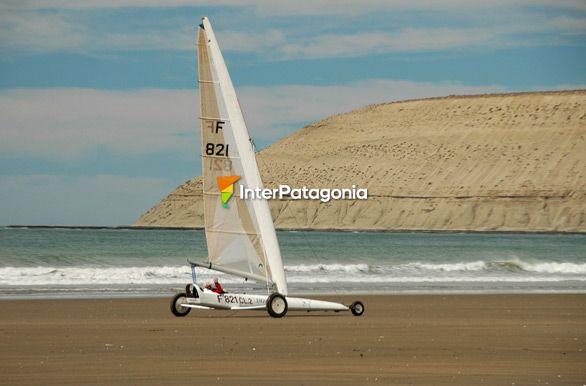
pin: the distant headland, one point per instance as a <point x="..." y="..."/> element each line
<point x="502" y="162"/>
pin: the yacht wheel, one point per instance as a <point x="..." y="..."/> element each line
<point x="176" y="308"/>
<point x="277" y="305"/>
<point x="357" y="308"/>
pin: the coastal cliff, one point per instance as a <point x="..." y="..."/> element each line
<point x="506" y="162"/>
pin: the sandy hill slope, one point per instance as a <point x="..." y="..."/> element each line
<point x="507" y="162"/>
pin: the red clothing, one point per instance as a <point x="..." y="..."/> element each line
<point x="217" y="288"/>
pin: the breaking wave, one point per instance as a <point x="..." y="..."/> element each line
<point x="569" y="268"/>
<point x="474" y="266"/>
<point x="18" y="276"/>
<point x="508" y="265"/>
<point x="492" y="271"/>
<point x="348" y="268"/>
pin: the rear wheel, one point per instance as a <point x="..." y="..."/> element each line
<point x="176" y="308"/>
<point x="277" y="305"/>
<point x="357" y="308"/>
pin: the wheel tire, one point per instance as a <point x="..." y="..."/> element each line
<point x="277" y="305"/>
<point x="357" y="308"/>
<point x="176" y="308"/>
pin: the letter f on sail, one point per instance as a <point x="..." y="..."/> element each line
<point x="226" y="185"/>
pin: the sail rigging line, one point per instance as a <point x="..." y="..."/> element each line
<point x="255" y="152"/>
<point x="312" y="252"/>
<point x="267" y="276"/>
<point x="253" y="146"/>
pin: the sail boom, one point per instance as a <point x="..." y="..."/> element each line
<point x="235" y="272"/>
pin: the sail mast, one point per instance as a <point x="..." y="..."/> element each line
<point x="218" y="80"/>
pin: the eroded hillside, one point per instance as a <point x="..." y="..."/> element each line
<point x="512" y="162"/>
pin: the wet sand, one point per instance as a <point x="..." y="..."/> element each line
<point x="408" y="339"/>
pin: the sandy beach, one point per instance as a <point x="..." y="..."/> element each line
<point x="407" y="339"/>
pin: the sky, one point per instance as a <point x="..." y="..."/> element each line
<point x="99" y="101"/>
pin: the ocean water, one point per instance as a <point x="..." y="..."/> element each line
<point x="114" y="262"/>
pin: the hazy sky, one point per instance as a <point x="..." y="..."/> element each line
<point x="98" y="98"/>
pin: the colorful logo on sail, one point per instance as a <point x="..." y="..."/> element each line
<point x="226" y="185"/>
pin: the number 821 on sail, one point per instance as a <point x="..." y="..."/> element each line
<point x="217" y="149"/>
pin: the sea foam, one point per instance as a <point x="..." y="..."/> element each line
<point x="511" y="270"/>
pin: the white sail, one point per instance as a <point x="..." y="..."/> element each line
<point x="240" y="235"/>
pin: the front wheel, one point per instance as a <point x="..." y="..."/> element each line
<point x="357" y="308"/>
<point x="176" y="305"/>
<point x="277" y="305"/>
